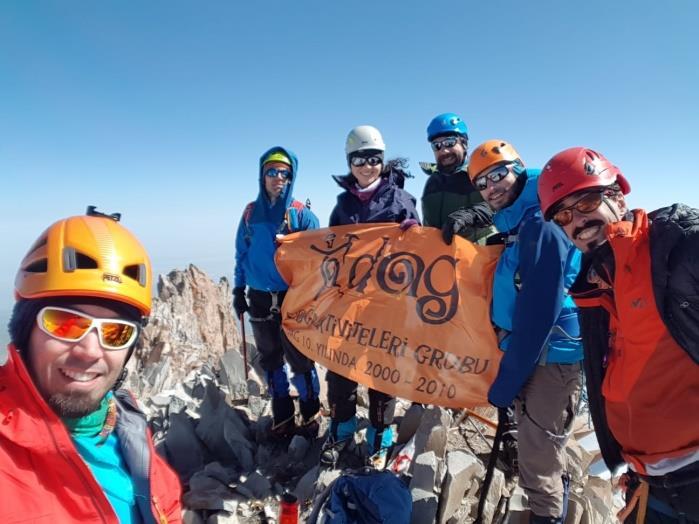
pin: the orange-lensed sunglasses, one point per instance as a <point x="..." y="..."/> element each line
<point x="72" y="326"/>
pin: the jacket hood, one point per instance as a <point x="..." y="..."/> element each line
<point x="287" y="196"/>
<point x="509" y="218"/>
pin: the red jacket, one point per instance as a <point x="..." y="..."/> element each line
<point x="43" y="479"/>
<point x="650" y="383"/>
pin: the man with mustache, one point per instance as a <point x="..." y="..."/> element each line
<point x="537" y="326"/>
<point x="449" y="200"/>
<point x="275" y="212"/>
<point x="73" y="446"/>
<point x="638" y="293"/>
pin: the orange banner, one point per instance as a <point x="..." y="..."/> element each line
<point x="400" y="312"/>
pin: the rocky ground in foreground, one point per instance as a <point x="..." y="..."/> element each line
<point x="213" y="426"/>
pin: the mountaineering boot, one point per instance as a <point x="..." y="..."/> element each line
<point x="283" y="424"/>
<point x="378" y="443"/>
<point x="308" y="387"/>
<point x="340" y="434"/>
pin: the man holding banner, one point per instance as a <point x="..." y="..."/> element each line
<point x="449" y="200"/>
<point x="537" y="326"/>
<point x="275" y="212"/>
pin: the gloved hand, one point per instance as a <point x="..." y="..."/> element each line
<point x="408" y="223"/>
<point x="466" y="221"/>
<point x="240" y="303"/>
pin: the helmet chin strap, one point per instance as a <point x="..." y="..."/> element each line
<point x="611" y="208"/>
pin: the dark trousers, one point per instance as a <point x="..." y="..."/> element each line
<point x="342" y="397"/>
<point x="272" y="343"/>
<point x="273" y="347"/>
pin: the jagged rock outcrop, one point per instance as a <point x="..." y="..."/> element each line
<point x="192" y="324"/>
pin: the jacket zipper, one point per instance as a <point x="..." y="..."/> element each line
<point x="71" y="460"/>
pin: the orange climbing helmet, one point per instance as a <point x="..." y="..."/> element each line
<point x="91" y="255"/>
<point x="491" y="153"/>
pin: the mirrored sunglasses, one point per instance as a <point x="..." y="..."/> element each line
<point x="494" y="176"/>
<point x="587" y="204"/>
<point x="72" y="326"/>
<point x="274" y="172"/>
<point x="444" y="143"/>
<point x="359" y="161"/>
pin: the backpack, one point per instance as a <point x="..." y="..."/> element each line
<point x="364" y="497"/>
<point x="288" y="225"/>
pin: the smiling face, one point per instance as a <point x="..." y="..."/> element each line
<point x="74" y="377"/>
<point x="502" y="193"/>
<point x="366" y="174"/>
<point x="274" y="185"/>
<point x="450" y="158"/>
<point x="588" y="230"/>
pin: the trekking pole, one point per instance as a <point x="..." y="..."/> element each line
<point x="245" y="346"/>
<point x="502" y="417"/>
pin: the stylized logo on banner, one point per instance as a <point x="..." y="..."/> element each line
<point x="398" y="311"/>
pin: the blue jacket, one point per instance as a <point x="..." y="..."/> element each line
<point x="530" y="294"/>
<point x="261" y="222"/>
<point x="389" y="203"/>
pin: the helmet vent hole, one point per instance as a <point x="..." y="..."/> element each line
<point x="136" y="272"/>
<point x="39" y="266"/>
<point x="82" y="261"/>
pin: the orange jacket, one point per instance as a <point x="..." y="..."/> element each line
<point x="43" y="479"/>
<point x="650" y="386"/>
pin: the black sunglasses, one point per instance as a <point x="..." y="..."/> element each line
<point x="359" y="161"/>
<point x="445" y="143"/>
<point x="494" y="176"/>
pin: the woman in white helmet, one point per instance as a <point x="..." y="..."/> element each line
<point x="372" y="192"/>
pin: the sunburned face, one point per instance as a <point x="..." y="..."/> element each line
<point x="498" y="194"/>
<point x="589" y="213"/>
<point x="450" y="158"/>
<point x="74" y="377"/>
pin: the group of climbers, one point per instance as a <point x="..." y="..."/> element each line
<point x="581" y="274"/>
<point x="549" y="229"/>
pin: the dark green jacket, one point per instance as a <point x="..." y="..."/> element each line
<point x="445" y="193"/>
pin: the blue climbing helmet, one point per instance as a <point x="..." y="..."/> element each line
<point x="446" y="124"/>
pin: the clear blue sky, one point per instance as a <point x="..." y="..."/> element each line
<point x="161" y="109"/>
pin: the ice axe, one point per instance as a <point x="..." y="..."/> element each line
<point x="245" y="346"/>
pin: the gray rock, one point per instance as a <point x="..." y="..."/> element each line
<point x="462" y="467"/>
<point x="240" y="446"/>
<point x="221" y="473"/>
<point x="410" y="423"/>
<point x="184" y="450"/>
<point x="424" y="472"/>
<point x="202" y="482"/>
<point x="233" y="374"/>
<point x="211" y="501"/>
<point x="431" y="434"/>
<point x="298" y="448"/>
<point x="223" y="517"/>
<point x="494" y="494"/>
<point x="258" y="485"/>
<point x="424" y="507"/>
<point x="191" y="517"/>
<point x="306" y="486"/>
<point x="327" y="477"/>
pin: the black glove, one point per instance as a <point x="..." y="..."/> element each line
<point x="465" y="222"/>
<point x="240" y="303"/>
